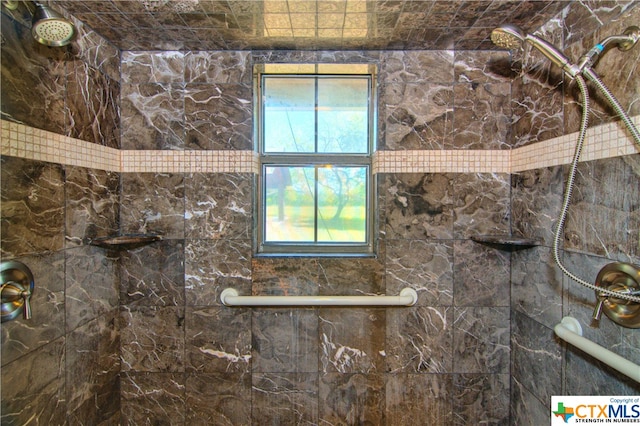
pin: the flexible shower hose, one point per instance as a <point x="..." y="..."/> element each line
<point x="593" y="77"/>
<point x="572" y="173"/>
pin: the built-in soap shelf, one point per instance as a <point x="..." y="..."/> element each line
<point x="124" y="242"/>
<point x="506" y="241"/>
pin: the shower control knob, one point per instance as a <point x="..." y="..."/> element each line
<point x="597" y="311"/>
<point x="16" y="290"/>
<point x="15" y="294"/>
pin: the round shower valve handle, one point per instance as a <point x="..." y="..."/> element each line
<point x="16" y="290"/>
<point x="14" y="293"/>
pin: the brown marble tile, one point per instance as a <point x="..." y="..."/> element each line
<point x="91" y="284"/>
<point x="422" y="265"/>
<point x="346" y="399"/>
<point x="482" y="204"/>
<point x="614" y="67"/>
<point x="32" y="78"/>
<point x="536" y="360"/>
<point x="584" y="19"/>
<point x="152" y="339"/>
<point x="480" y="398"/>
<point x="153" y="398"/>
<point x="92" y="381"/>
<point x="410" y="66"/>
<point x="218" y="116"/>
<point x="218" y="67"/>
<point x="283" y="56"/>
<point x="482" y="275"/>
<point x="153" y="275"/>
<point x="32" y="207"/>
<point x="427" y="397"/>
<point x="33" y="386"/>
<point x="538" y="93"/>
<point x="96" y="51"/>
<point x="218" y="205"/>
<point x="152" y="116"/>
<point x="282" y="277"/>
<point x="416" y="115"/>
<point x="419" y="340"/>
<point x="352" y="276"/>
<point x="536" y="200"/>
<point x="153" y="67"/>
<point x="284" y="398"/>
<point x="482" y="67"/>
<point x="152" y="204"/>
<point x="481" y="340"/>
<point x="352" y="340"/>
<point x="214" y="265"/>
<point x="284" y="341"/>
<point x="92" y="105"/>
<point x="218" y="340"/>
<point x="527" y="408"/>
<point x="92" y="204"/>
<point x="536" y="285"/>
<point x="221" y="398"/>
<point x="418" y="206"/>
<point x="21" y="337"/>
<point x="482" y="116"/>
<point x="601" y="214"/>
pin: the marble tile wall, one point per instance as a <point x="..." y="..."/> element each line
<point x="63" y="365"/>
<point x="312" y="365"/>
<point x="602" y="224"/>
<point x="478" y="346"/>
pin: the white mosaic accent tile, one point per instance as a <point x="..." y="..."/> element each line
<point x="605" y="141"/>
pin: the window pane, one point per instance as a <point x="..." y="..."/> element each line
<point x="289" y="204"/>
<point x="289" y="114"/>
<point x="343" y="116"/>
<point x="342" y="204"/>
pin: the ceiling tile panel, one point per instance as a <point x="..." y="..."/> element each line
<point x="306" y="24"/>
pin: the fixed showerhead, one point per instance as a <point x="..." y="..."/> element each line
<point x="512" y="37"/>
<point x="508" y="37"/>
<point x="50" y="28"/>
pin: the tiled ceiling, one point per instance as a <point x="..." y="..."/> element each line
<point x="305" y="24"/>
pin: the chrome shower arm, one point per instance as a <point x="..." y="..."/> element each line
<point x="625" y="41"/>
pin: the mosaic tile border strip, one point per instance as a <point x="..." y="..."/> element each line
<point x="604" y="141"/>
<point x="467" y="161"/>
<point x="27" y="142"/>
<point x="188" y="161"/>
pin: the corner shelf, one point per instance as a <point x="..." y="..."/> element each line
<point x="506" y="241"/>
<point x="124" y="242"/>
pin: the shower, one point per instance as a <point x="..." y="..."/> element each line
<point x="618" y="298"/>
<point x="512" y="37"/>
<point x="50" y="28"/>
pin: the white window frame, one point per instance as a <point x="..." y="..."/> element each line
<point x="341" y="249"/>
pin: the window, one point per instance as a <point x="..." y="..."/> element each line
<point x="315" y="127"/>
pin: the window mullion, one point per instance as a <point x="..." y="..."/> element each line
<point x="315" y="206"/>
<point x="316" y="116"/>
<point x="315" y="180"/>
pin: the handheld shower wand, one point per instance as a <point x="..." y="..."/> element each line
<point x="512" y="37"/>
